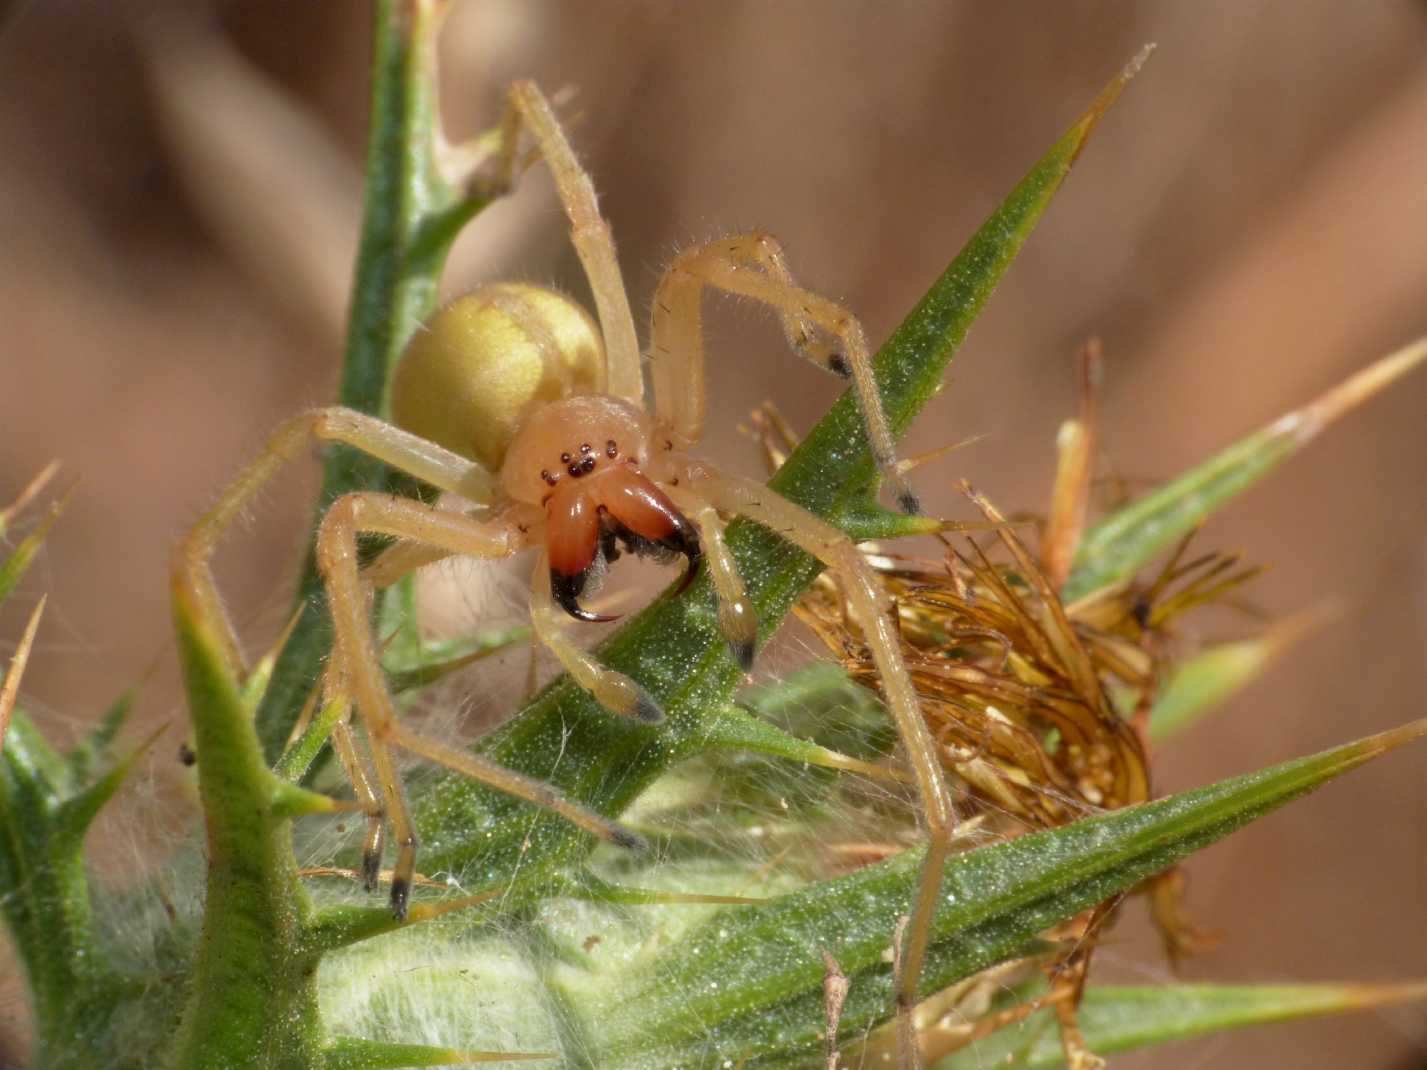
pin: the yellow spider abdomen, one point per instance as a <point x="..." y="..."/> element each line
<point x="484" y="362"/>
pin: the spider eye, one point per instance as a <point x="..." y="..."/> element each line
<point x="584" y="447"/>
<point x="564" y="458"/>
<point x="611" y="450"/>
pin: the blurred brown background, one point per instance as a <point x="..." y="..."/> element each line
<point x="178" y="196"/>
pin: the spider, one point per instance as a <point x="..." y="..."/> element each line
<point x="515" y="400"/>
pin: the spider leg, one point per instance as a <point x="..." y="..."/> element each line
<point x="400" y="559"/>
<point x="737" y="619"/>
<point x="753" y="265"/>
<point x="612" y="690"/>
<point x="872" y="609"/>
<point x="350" y="759"/>
<point x="360" y="668"/>
<point x="527" y="107"/>
<point x="400" y="449"/>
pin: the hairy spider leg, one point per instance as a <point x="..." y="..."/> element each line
<point x="400" y="560"/>
<point x="677" y="343"/>
<point x="737" y="619"/>
<point x="527" y="107"/>
<point x="872" y="608"/>
<point x="344" y="746"/>
<point x="192" y="564"/>
<point x="613" y="690"/>
<point x="360" y="667"/>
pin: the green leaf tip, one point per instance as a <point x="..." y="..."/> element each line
<point x="28" y="494"/>
<point x="355" y="1053"/>
<point x="47" y="802"/>
<point x="1119" y="1019"/>
<point x="18" y="563"/>
<point x="10" y="689"/>
<point x="289" y="801"/>
<point x="867" y="520"/>
<point x="79" y="812"/>
<point x="1197" y="685"/>
<point x="910" y="364"/>
<point x="298" y="758"/>
<point x="250" y="988"/>
<point x="1107" y="97"/>
<point x="1352" y="392"/>
<point x="336" y="927"/>
<point x="1115" y="548"/>
<point x="735" y="729"/>
<point x="81" y="758"/>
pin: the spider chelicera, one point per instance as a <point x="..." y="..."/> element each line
<point x="513" y="399"/>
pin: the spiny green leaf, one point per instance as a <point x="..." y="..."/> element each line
<point x="75" y="815"/>
<point x="1115" y="548"/>
<point x="18" y="563"/>
<point x="747" y="984"/>
<point x="45" y="903"/>
<point x="252" y="988"/>
<point x="1123" y="1019"/>
<point x="81" y="758"/>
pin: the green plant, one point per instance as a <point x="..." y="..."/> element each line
<point x="706" y="956"/>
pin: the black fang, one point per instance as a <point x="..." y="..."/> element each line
<point x="615" y="539"/>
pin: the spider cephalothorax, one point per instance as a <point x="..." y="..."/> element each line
<point x="513" y="399"/>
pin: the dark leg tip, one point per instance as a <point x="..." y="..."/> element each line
<point x="624" y="838"/>
<point x="910" y="503"/>
<point x="400" y="893"/>
<point x="742" y="651"/>
<point x="647" y="710"/>
<point x="371" y="870"/>
<point x="838" y="365"/>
